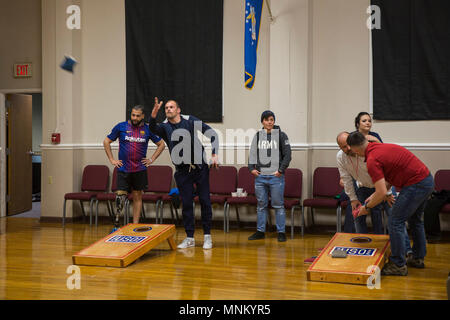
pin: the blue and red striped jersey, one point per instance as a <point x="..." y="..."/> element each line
<point x="133" y="144"/>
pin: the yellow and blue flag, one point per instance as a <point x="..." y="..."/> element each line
<point x="253" y="13"/>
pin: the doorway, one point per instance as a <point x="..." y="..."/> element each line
<point x="21" y="154"/>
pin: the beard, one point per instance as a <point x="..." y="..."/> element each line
<point x="136" y="123"/>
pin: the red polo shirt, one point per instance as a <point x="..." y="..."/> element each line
<point x="395" y="164"/>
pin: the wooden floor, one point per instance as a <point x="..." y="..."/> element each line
<point x="35" y="256"/>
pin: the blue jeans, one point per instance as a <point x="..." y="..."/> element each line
<point x="265" y="185"/>
<point x="409" y="207"/>
<point x="375" y="213"/>
<point x="360" y="226"/>
<point x="349" y="223"/>
<point x="389" y="215"/>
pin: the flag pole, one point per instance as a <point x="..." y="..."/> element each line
<point x="270" y="11"/>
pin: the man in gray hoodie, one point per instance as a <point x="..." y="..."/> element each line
<point x="270" y="155"/>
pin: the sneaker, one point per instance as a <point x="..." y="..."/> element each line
<point x="391" y="269"/>
<point x="257" y="236"/>
<point x="413" y="262"/>
<point x="207" y="242"/>
<point x="187" y="243"/>
<point x="281" y="237"/>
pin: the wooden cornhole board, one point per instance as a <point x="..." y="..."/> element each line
<point x="125" y="245"/>
<point x="364" y="252"/>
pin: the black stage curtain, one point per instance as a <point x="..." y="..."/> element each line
<point x="411" y="60"/>
<point x="174" y="51"/>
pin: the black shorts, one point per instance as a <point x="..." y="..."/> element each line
<point x="128" y="181"/>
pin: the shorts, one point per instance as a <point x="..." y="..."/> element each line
<point x="128" y="181"/>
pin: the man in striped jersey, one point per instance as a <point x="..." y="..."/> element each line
<point x="133" y="136"/>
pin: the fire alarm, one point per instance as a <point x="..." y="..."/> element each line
<point x="56" y="138"/>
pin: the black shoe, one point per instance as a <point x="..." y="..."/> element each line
<point x="413" y="262"/>
<point x="391" y="269"/>
<point x="281" y="237"/>
<point x="257" y="236"/>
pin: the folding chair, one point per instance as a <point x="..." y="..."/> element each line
<point x="159" y="184"/>
<point x="109" y="197"/>
<point x="94" y="181"/>
<point x="293" y="195"/>
<point x="222" y="182"/>
<point x="246" y="181"/>
<point x="442" y="182"/>
<point x="325" y="188"/>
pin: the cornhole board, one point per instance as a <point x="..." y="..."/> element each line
<point x="125" y="245"/>
<point x="365" y="252"/>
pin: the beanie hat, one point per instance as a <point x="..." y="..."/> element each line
<point x="266" y="114"/>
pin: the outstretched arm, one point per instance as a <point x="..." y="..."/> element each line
<point x="154" y="127"/>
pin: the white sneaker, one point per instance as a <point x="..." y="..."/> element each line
<point x="207" y="242"/>
<point x="187" y="243"/>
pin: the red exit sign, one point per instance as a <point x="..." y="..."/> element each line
<point x="22" y="70"/>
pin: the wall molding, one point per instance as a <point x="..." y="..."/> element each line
<point x="18" y="91"/>
<point x="294" y="146"/>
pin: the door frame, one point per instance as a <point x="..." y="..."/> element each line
<point x="3" y="163"/>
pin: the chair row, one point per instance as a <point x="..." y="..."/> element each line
<point x="94" y="188"/>
<point x="223" y="182"/>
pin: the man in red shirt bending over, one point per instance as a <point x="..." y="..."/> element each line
<point x="392" y="165"/>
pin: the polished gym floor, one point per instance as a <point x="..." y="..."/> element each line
<point x="36" y="260"/>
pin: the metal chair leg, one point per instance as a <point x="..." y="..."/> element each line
<point x="224" y="216"/>
<point x="143" y="211"/>
<point x="338" y="223"/>
<point x="171" y="213"/>
<point x="64" y="213"/>
<point x="303" y="221"/>
<point x="126" y="212"/>
<point x="91" y="211"/>
<point x="173" y="209"/>
<point x="292" y="222"/>
<point x="96" y="212"/>
<point x="158" y="213"/>
<point x="82" y="210"/>
<point x="228" y="218"/>
<point x="108" y="206"/>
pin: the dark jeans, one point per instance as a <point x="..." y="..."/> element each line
<point x="349" y="222"/>
<point x="351" y="226"/>
<point x="185" y="180"/>
<point x="359" y="224"/>
<point x="375" y="213"/>
<point x="409" y="206"/>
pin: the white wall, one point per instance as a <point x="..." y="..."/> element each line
<point x="340" y="81"/>
<point x="20" y="34"/>
<point x="313" y="71"/>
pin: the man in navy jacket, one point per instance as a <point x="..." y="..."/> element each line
<point x="188" y="155"/>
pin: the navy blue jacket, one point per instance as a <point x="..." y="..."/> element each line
<point x="187" y="128"/>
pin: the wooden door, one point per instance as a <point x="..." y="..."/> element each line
<point x="19" y="161"/>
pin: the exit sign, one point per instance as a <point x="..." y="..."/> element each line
<point x="22" y="70"/>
